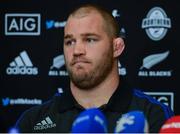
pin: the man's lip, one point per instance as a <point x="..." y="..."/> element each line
<point x="76" y="62"/>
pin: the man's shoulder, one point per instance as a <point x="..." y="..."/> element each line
<point x="47" y="106"/>
<point x="156" y="112"/>
<point x="148" y="103"/>
<point x="36" y="112"/>
<point x="40" y="108"/>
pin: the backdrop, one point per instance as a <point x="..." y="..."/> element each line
<point x="31" y="58"/>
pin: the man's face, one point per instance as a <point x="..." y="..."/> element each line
<point x="88" y="50"/>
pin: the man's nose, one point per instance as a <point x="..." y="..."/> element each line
<point x="79" y="49"/>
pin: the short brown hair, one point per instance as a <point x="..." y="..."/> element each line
<point x="111" y="25"/>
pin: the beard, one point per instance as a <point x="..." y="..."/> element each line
<point x="88" y="79"/>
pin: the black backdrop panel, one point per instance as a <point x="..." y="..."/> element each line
<point x="31" y="57"/>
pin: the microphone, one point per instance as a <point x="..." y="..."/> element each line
<point x="90" y="121"/>
<point x="132" y="122"/>
<point x="172" y="125"/>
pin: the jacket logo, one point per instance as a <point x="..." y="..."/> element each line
<point x="45" y="124"/>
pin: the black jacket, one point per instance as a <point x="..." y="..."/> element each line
<point x="58" y="114"/>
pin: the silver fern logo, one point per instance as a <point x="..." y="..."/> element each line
<point x="152" y="60"/>
<point x="58" y="62"/>
<point x="156" y="23"/>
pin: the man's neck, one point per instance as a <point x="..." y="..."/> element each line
<point x="96" y="96"/>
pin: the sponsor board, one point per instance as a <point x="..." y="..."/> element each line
<point x="22" y="24"/>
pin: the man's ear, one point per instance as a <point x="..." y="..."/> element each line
<point x="118" y="46"/>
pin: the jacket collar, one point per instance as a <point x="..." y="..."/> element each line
<point x="119" y="101"/>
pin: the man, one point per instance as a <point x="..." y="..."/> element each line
<point x="91" y="48"/>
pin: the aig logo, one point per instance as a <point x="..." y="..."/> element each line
<point x="22" y="24"/>
<point x="166" y="98"/>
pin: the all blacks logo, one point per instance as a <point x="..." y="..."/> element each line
<point x="156" y="23"/>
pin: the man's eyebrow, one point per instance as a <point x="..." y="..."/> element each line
<point x="90" y="34"/>
<point x="83" y="35"/>
<point x="68" y="36"/>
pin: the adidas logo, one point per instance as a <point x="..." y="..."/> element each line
<point x="45" y="124"/>
<point x="22" y="65"/>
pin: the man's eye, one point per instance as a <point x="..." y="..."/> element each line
<point x="69" y="42"/>
<point x="91" y="40"/>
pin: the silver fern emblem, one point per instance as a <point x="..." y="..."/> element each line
<point x="58" y="61"/>
<point x="154" y="59"/>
